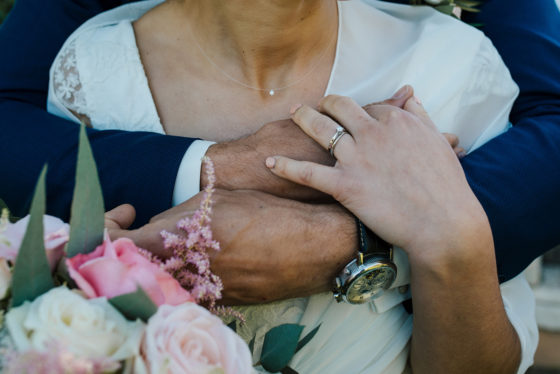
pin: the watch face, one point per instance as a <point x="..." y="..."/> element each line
<point x="370" y="284"/>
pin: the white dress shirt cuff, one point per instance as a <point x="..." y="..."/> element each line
<point x="187" y="183"/>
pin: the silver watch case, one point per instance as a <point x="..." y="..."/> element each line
<point x="378" y="272"/>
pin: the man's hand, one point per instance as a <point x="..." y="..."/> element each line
<point x="240" y="164"/>
<point x="272" y="248"/>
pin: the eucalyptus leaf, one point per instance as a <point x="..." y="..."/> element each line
<point x="135" y="305"/>
<point x="32" y="274"/>
<point x="279" y="346"/>
<point x="446" y="9"/>
<point x="468" y="3"/>
<point x="88" y="211"/>
<point x="288" y="370"/>
<point x="252" y="345"/>
<point x="307" y="338"/>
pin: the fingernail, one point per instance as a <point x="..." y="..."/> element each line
<point x="294" y="108"/>
<point x="270" y="162"/>
<point x="417" y="100"/>
<point x="400" y="93"/>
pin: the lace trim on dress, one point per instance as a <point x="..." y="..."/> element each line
<point x="66" y="83"/>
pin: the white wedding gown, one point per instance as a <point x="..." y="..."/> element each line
<point x="453" y="68"/>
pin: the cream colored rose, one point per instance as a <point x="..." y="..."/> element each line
<point x="5" y="278"/>
<point x="88" y="328"/>
<point x="187" y="339"/>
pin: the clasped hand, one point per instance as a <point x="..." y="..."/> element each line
<point x="394" y="170"/>
<point x="272" y="247"/>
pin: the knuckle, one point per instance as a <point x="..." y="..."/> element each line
<point x="327" y="101"/>
<point x="402" y="117"/>
<point x="317" y="124"/>
<point x="340" y="190"/>
<point x="306" y="175"/>
<point x="341" y="102"/>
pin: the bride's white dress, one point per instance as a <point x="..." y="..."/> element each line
<point x="453" y="68"/>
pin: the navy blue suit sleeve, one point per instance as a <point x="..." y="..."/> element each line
<point x="516" y="176"/>
<point x="134" y="167"/>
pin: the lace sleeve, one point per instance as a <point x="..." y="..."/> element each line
<point x="66" y="83"/>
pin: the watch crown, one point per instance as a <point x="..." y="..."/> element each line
<point x="338" y="297"/>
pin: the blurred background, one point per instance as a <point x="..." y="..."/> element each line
<point x="5" y="6"/>
<point x="544" y="276"/>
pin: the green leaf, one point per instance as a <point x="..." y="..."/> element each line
<point x="135" y="305"/>
<point x="303" y="342"/>
<point x="88" y="211"/>
<point x="288" y="370"/>
<point x="3" y="205"/>
<point x="233" y="325"/>
<point x="62" y="276"/>
<point x="468" y="3"/>
<point x="32" y="274"/>
<point x="446" y="9"/>
<point x="11" y="217"/>
<point x="252" y="345"/>
<point x="279" y="346"/>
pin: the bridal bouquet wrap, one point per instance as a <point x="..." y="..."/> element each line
<point x="74" y="301"/>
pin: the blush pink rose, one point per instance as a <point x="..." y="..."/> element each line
<point x="188" y="339"/>
<point x="56" y="237"/>
<point x="117" y="268"/>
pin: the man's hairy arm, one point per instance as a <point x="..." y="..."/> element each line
<point x="271" y="248"/>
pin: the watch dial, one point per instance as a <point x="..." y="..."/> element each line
<point x="370" y="284"/>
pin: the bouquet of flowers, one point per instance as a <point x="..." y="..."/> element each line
<point x="74" y="301"/>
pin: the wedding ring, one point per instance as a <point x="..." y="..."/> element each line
<point x="340" y="132"/>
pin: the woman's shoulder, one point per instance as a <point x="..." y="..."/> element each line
<point x="98" y="76"/>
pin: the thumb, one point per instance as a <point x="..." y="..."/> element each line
<point x="414" y="105"/>
<point x="120" y="217"/>
<point x="400" y="97"/>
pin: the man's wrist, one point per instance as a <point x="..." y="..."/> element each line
<point x="341" y="238"/>
<point x="231" y="166"/>
<point x="186" y="183"/>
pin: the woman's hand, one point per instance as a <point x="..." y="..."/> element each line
<point x="394" y="170"/>
<point x="398" y="174"/>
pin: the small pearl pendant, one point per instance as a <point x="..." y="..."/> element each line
<point x="271" y="92"/>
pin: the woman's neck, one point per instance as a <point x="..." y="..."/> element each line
<point x="266" y="43"/>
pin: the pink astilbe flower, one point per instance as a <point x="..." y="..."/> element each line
<point x="190" y="263"/>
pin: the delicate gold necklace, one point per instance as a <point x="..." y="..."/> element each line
<point x="271" y="91"/>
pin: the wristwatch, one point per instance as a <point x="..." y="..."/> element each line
<point x="370" y="273"/>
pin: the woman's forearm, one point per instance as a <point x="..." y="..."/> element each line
<point x="460" y="324"/>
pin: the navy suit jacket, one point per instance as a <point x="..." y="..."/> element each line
<point x="515" y="176"/>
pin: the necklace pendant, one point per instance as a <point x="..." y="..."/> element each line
<point x="271" y="92"/>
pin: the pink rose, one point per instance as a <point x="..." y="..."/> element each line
<point x="56" y="237"/>
<point x="187" y="339"/>
<point x="116" y="268"/>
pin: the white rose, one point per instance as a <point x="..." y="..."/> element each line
<point x="434" y="2"/>
<point x="188" y="339"/>
<point x="5" y="278"/>
<point x="87" y="328"/>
